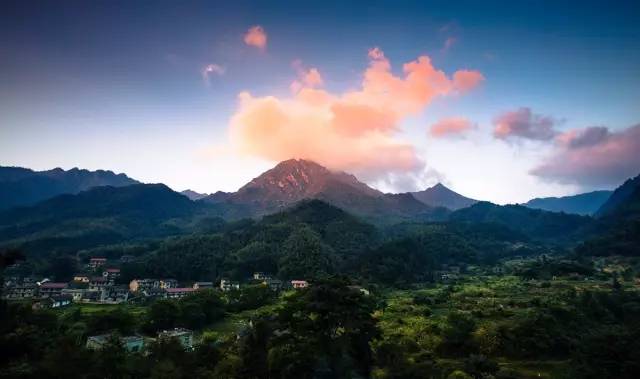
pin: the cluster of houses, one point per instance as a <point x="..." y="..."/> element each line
<point x="137" y="343"/>
<point x="101" y="286"/>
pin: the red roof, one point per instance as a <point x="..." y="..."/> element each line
<point x="185" y="289"/>
<point x="113" y="270"/>
<point x="53" y="285"/>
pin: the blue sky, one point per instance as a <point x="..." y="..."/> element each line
<point x="119" y="85"/>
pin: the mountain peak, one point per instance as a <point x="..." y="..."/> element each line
<point x="440" y="195"/>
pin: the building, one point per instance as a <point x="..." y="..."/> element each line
<point x="227" y="285"/>
<point x="273" y="284"/>
<point x="56" y="301"/>
<point x="51" y="289"/>
<point x="184" y="336"/>
<point x="202" y="285"/>
<point x="297" y="284"/>
<point x="177" y="293"/>
<point x="260" y="276"/>
<point x="111" y="274"/>
<point x="76" y="293"/>
<point x="20" y="291"/>
<point x="95" y="263"/>
<point x="127" y="258"/>
<point x="130" y="343"/>
<point x="98" y="283"/>
<point x="168" y="283"/>
<point x="143" y="284"/>
<point x="81" y="278"/>
<point x="117" y="294"/>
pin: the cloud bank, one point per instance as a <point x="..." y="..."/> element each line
<point x="256" y="37"/>
<point x="593" y="157"/>
<point x="356" y="130"/>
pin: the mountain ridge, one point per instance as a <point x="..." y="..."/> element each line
<point x="586" y="203"/>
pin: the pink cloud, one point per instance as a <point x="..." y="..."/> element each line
<point x="450" y="126"/>
<point x="256" y="37"/>
<point x="522" y="123"/>
<point x="355" y="130"/>
<point x="593" y="157"/>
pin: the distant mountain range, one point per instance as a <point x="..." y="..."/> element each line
<point x="193" y="195"/>
<point x="22" y="187"/>
<point x="619" y="196"/>
<point x="582" y="204"/>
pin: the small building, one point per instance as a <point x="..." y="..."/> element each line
<point x="260" y="276"/>
<point x="298" y="284"/>
<point x="143" y="284"/>
<point x="127" y="258"/>
<point x="81" y="278"/>
<point x="111" y="274"/>
<point x="56" y="301"/>
<point x="178" y="293"/>
<point x="168" y="283"/>
<point x="117" y="294"/>
<point x="202" y="285"/>
<point x="154" y="293"/>
<point x="51" y="289"/>
<point x="95" y="263"/>
<point x="130" y="343"/>
<point x="227" y="285"/>
<point x="91" y="296"/>
<point x="273" y="284"/>
<point x="184" y="336"/>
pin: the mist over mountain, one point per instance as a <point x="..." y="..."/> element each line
<point x="582" y="204"/>
<point x="22" y="186"/>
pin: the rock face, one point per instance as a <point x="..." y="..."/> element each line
<point x="441" y="196"/>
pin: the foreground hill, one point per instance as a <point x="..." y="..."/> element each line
<point x="99" y="215"/>
<point x="21" y="186"/>
<point x="297" y="179"/>
<point x="534" y="223"/>
<point x="619" y="196"/>
<point x="582" y="204"/>
<point x="441" y="196"/>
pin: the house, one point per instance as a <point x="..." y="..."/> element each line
<point x="177" y="293"/>
<point x="227" y="285"/>
<point x="81" y="278"/>
<point x="51" y="289"/>
<point x="98" y="283"/>
<point x="273" y="284"/>
<point x="76" y="293"/>
<point x="95" y="263"/>
<point x="130" y="343"/>
<point x="260" y="276"/>
<point x="168" y="283"/>
<point x="202" y="285"/>
<point x="143" y="284"/>
<point x="111" y="274"/>
<point x="91" y="296"/>
<point x="297" y="284"/>
<point x="154" y="293"/>
<point x="184" y="336"/>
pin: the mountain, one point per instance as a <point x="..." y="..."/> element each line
<point x="534" y="223"/>
<point x="582" y="204"/>
<point x="193" y="195"/>
<point x="441" y="196"/>
<point x="97" y="216"/>
<point x="21" y="186"/>
<point x="619" y="196"/>
<point x="297" y="179"/>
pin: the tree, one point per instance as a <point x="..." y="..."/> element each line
<point x="304" y="255"/>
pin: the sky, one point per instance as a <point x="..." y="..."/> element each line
<point x="500" y="101"/>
